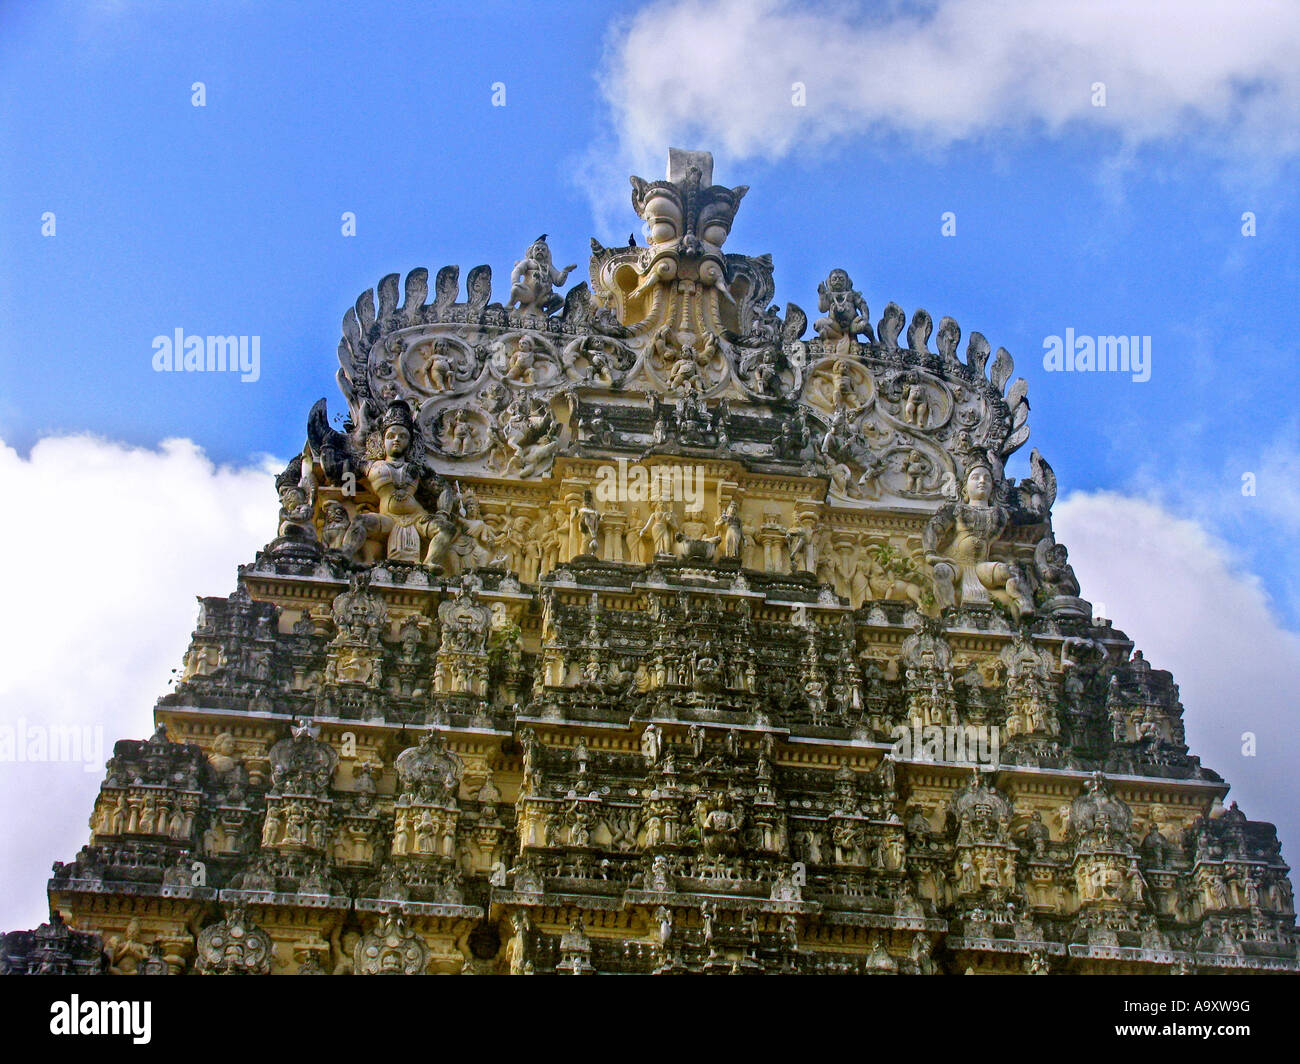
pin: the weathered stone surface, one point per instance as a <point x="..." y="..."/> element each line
<point x="629" y="630"/>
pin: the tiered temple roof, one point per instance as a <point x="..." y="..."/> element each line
<point x="636" y="629"/>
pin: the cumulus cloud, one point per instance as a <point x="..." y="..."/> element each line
<point x="721" y="73"/>
<point x="106" y="550"/>
<point x="1175" y="590"/>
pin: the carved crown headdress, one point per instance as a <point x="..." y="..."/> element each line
<point x="399" y="414"/>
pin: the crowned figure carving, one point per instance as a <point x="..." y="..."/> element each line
<point x="959" y="542"/>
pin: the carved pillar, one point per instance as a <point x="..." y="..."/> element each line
<point x="613" y="527"/>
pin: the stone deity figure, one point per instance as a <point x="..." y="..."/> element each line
<point x="335" y="525"/>
<point x="846" y="312"/>
<point x="651" y="743"/>
<point x="531" y="436"/>
<point x="916" y="468"/>
<point x="600" y="362"/>
<point x="1052" y="562"/>
<point x="958" y="541"/>
<point x="533" y="280"/>
<point x="547" y="543"/>
<point x="869" y="482"/>
<point x="798" y="539"/>
<point x="476" y="545"/>
<point x="731" y="534"/>
<point x="460" y="432"/>
<point x="685" y="373"/>
<point x="439" y="367"/>
<point x="589" y="524"/>
<point x="916" y="405"/>
<point x="394" y="477"/>
<point x="519" y="365"/>
<point x="660" y="528"/>
<point x="837" y="440"/>
<point x="295" y="513"/>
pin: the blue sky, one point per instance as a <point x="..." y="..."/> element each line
<point x="225" y="219"/>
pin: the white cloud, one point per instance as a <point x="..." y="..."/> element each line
<point x="717" y="74"/>
<point x="1175" y="590"/>
<point x="107" y="546"/>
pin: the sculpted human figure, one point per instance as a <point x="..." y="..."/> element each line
<point x="533" y="280"/>
<point x="731" y="534"/>
<point x="841" y="480"/>
<point x="869" y="482"/>
<point x="531" y="435"/>
<point x="335" y="525"/>
<point x="548" y="542"/>
<point x="846" y="313"/>
<point x="916" y="405"/>
<point x="686" y="372"/>
<point x="519" y="366"/>
<point x="460" y="432"/>
<point x="916" y="468"/>
<point x="957" y="542"/>
<point x="522" y="546"/>
<point x="843" y="387"/>
<point x="798" y="539"/>
<point x="222" y="757"/>
<point x="439" y="366"/>
<point x="651" y="743"/>
<point x="1052" y="561"/>
<point x="476" y="544"/>
<point x="394" y="477"/>
<point x="517" y="947"/>
<point x="839" y="434"/>
<point x="126" y="954"/>
<point x="589" y="523"/>
<point x="765" y="371"/>
<point x="296" y="513"/>
<point x="660" y="528"/>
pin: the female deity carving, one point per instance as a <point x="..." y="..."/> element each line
<point x="958" y="542"/>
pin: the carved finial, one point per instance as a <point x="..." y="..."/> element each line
<point x="681" y="161"/>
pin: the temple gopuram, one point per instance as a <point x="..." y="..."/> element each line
<point x="646" y="628"/>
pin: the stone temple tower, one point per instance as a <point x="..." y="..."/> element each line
<point x="640" y="627"/>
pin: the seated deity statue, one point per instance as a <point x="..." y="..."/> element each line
<point x="335" y="525"/>
<point x="523" y="358"/>
<point x="393" y="478"/>
<point x="533" y="280"/>
<point x="685" y="373"/>
<point x="958" y="541"/>
<point x="295" y="514"/>
<point x="846" y="312"/>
